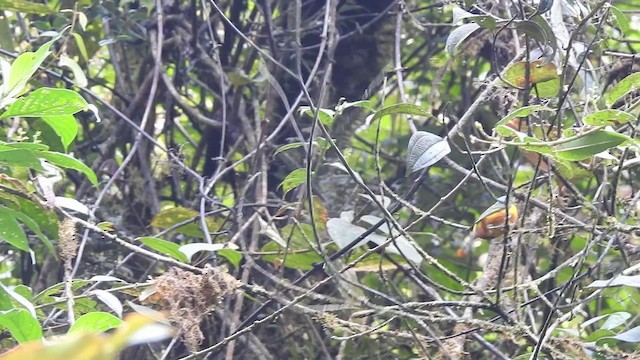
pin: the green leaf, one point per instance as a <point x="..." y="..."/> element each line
<point x="81" y="46"/>
<point x="290" y="146"/>
<point x="458" y="35"/>
<point x="299" y="254"/>
<point x="608" y="117"/>
<point x="165" y="247"/>
<point x="30" y="223"/>
<point x="65" y="126"/>
<point x="68" y="162"/>
<point x="23" y="68"/>
<point x="538" y="29"/>
<point x="622" y="88"/>
<point x="233" y="256"/>
<point x="168" y="218"/>
<point x="621" y="19"/>
<point x="325" y="116"/>
<point x="22" y="326"/>
<point x="10" y="230"/>
<point x="45" y="102"/>
<point x="20" y="157"/>
<point x="27" y="7"/>
<point x="295" y="178"/>
<point x="24" y="145"/>
<point x="401" y="108"/>
<point x="97" y="321"/>
<point x="518" y="113"/>
<point x="588" y="145"/>
<point x="543" y="77"/>
<point x="296" y="259"/>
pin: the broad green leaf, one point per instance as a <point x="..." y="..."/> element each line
<point x="47" y="295"/>
<point x="26" y="7"/>
<point x="68" y="162"/>
<point x="458" y="35"/>
<point x="97" y="321"/>
<point x="290" y="146"/>
<point x="11" y="232"/>
<point x="424" y="150"/>
<point x="20" y="157"/>
<point x="30" y="223"/>
<point x="539" y="29"/>
<point x="23" y="68"/>
<point x="621" y="19"/>
<point x="295" y="178"/>
<point x="165" y="247"/>
<point x="65" y="126"/>
<point x="586" y="146"/>
<point x="293" y="259"/>
<point x="22" y="326"/>
<point x="543" y="75"/>
<point x="15" y="296"/>
<point x="233" y="256"/>
<point x="401" y="108"/>
<point x="622" y="88"/>
<point x="299" y="254"/>
<point x="80" y="45"/>
<point x="547" y="89"/>
<point x="24" y="145"/>
<point x="608" y="117"/>
<point x="188" y="250"/>
<point x="518" y="113"/>
<point x="168" y="218"/>
<point x="45" y="102"/>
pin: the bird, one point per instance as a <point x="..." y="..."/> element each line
<point x="491" y="223"/>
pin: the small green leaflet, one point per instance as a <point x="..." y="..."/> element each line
<point x="295" y="178"/>
<point x="11" y="232"/>
<point x="165" y="247"/>
<point x="401" y="108"/>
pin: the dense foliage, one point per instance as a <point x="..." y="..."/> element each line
<point x="315" y="179"/>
